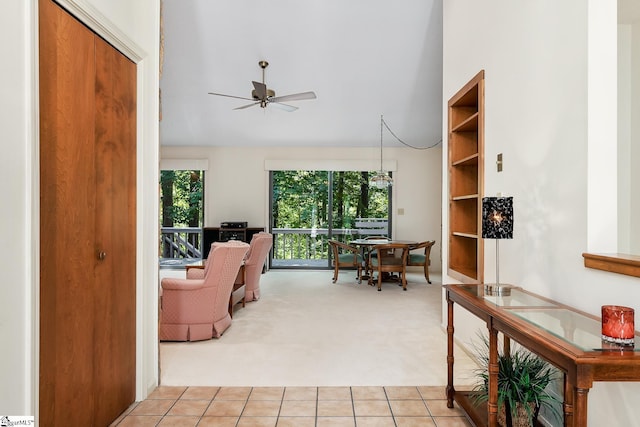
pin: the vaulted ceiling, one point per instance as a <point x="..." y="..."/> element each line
<point x="362" y="58"/>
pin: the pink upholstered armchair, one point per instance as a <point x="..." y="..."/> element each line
<point x="261" y="244"/>
<point x="237" y="293"/>
<point x="197" y="309"/>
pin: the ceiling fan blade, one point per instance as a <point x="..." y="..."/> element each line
<point x="230" y="96"/>
<point x="294" y="97"/>
<point x="261" y="90"/>
<point x="284" y="107"/>
<point x="247" y="106"/>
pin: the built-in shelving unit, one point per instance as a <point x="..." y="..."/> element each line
<point x="466" y="181"/>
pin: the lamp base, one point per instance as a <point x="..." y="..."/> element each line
<point x="497" y="289"/>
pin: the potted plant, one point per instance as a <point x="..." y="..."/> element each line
<point x="522" y="385"/>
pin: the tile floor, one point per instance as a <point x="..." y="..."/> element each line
<point x="361" y="406"/>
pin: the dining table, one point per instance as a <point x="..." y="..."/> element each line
<point x="380" y="241"/>
<point x="366" y="245"/>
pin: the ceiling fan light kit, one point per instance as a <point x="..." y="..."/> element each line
<point x="263" y="96"/>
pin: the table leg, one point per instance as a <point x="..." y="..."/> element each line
<point x="506" y="346"/>
<point x="580" y="414"/>
<point x="492" y="404"/>
<point x="450" y="390"/>
<point x="567" y="406"/>
<point x="365" y="261"/>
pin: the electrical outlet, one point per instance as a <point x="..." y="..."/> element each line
<point x="400" y="211"/>
<point x="499" y="162"/>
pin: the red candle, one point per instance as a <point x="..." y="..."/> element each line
<point x="617" y="324"/>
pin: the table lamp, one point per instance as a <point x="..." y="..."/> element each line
<point x="497" y="223"/>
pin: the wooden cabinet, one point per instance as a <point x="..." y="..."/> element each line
<point x="466" y="181"/>
<point x="218" y="234"/>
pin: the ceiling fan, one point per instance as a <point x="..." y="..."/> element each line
<point x="262" y="96"/>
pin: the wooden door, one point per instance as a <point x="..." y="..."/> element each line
<point x="67" y="206"/>
<point x="115" y="232"/>
<point x="87" y="207"/>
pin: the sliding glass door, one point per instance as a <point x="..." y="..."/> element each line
<point x="310" y="207"/>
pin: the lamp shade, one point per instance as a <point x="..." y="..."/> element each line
<point x="497" y="217"/>
<point x="381" y="180"/>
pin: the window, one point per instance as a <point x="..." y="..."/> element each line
<point x="181" y="216"/>
<point x="310" y="207"/>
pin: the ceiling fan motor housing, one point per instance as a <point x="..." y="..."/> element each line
<point x="270" y="94"/>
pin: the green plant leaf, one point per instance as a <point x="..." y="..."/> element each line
<point x="523" y="378"/>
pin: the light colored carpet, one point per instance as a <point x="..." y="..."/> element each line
<point x="306" y="330"/>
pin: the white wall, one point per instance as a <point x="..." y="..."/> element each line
<point x="16" y="291"/>
<point x="628" y="138"/>
<point x="19" y="175"/>
<point x="535" y="57"/>
<point x="634" y="246"/>
<point x="624" y="137"/>
<point x="237" y="186"/>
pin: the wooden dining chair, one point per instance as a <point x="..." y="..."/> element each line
<point x="368" y="251"/>
<point x="421" y="259"/>
<point x="345" y="256"/>
<point x="389" y="258"/>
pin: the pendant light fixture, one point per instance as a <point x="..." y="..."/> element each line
<point x="381" y="178"/>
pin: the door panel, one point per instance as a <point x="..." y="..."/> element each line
<point x="115" y="232"/>
<point x="67" y="220"/>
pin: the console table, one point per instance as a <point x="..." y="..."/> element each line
<point x="565" y="337"/>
